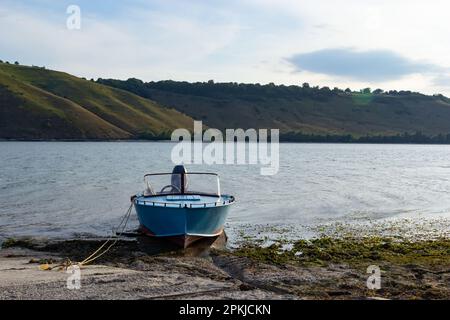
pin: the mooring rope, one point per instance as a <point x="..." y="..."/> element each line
<point x="95" y="255"/>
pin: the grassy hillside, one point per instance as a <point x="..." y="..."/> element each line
<point x="36" y="103"/>
<point x="295" y="109"/>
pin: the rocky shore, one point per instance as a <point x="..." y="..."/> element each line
<point x="138" y="268"/>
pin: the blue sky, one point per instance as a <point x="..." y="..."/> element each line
<point x="391" y="44"/>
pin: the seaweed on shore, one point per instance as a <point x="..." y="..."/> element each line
<point x="325" y="250"/>
<point x="24" y="242"/>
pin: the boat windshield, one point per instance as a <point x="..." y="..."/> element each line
<point x="193" y="183"/>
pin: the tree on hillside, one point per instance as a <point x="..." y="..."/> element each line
<point x="348" y="90"/>
<point x="16" y="63"/>
<point x="337" y="90"/>
<point x="325" y="89"/>
<point x="378" y="91"/>
<point x="365" y="90"/>
<point x="134" y="81"/>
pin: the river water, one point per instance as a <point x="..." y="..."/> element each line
<point x="67" y="189"/>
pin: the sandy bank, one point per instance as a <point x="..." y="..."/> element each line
<point x="133" y="270"/>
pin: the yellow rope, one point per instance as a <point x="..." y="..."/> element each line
<point x="94" y="255"/>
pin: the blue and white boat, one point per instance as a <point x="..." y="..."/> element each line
<point x="182" y="207"/>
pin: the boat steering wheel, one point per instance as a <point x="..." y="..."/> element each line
<point x="170" y="186"/>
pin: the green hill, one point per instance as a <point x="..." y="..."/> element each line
<point x="36" y="103"/>
<point x="302" y="112"/>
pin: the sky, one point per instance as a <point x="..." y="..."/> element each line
<point x="387" y="44"/>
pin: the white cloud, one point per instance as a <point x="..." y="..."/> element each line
<point x="413" y="29"/>
<point x="243" y="41"/>
<point x="149" y="44"/>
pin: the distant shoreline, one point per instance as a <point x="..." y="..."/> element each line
<point x="132" y="110"/>
<point x="169" y="141"/>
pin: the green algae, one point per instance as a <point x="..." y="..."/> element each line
<point x="326" y="250"/>
<point x="27" y="243"/>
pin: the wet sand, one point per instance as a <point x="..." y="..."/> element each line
<point x="141" y="269"/>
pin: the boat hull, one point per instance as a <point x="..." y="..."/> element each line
<point x="182" y="226"/>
